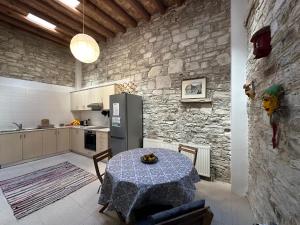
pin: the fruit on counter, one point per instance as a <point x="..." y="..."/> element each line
<point x="75" y="122"/>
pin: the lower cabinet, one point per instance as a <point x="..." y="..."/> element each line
<point x="77" y="140"/>
<point x="25" y="145"/>
<point x="11" y="148"/>
<point x="63" y="140"/>
<point x="49" y="141"/>
<point x="102" y="141"/>
<point x="32" y="144"/>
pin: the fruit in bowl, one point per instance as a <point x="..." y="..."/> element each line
<point x="150" y="158"/>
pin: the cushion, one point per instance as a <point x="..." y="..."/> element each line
<point x="178" y="211"/>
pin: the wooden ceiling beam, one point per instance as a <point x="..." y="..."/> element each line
<point x="134" y="8"/>
<point x="65" y="20"/>
<point x="24" y="10"/>
<point x="153" y="6"/>
<point x="100" y="17"/>
<point x="159" y="6"/>
<point x="115" y="11"/>
<point x="76" y="15"/>
<point x="8" y="12"/>
<point x="31" y="30"/>
<point x="16" y="16"/>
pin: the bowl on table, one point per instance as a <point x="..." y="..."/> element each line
<point x="149" y="159"/>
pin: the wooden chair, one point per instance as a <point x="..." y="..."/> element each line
<point x="198" y="217"/>
<point x="107" y="154"/>
<point x="189" y="149"/>
<point x="194" y="213"/>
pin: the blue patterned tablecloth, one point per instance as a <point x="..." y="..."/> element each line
<point x="130" y="184"/>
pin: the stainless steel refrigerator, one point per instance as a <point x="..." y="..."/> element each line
<point x="126" y="122"/>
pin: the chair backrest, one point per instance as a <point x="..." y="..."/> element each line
<point x="107" y="154"/>
<point x="189" y="149"/>
<point x="197" y="217"/>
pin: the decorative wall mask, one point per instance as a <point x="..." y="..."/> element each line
<point x="271" y="103"/>
<point x="262" y="42"/>
<point x="129" y="87"/>
<point x="250" y="90"/>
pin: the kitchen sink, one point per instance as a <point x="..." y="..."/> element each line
<point x="7" y="131"/>
<point x="17" y="130"/>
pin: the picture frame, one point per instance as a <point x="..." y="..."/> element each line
<point x="193" y="89"/>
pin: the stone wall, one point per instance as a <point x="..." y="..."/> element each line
<point x="189" y="42"/>
<point x="274" y="174"/>
<point x="28" y="57"/>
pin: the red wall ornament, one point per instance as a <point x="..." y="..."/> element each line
<point x="262" y="42"/>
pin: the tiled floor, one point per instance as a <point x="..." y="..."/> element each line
<point x="81" y="208"/>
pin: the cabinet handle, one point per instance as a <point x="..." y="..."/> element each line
<point x="24" y="135"/>
<point x="20" y="136"/>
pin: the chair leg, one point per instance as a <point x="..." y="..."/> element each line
<point x="103" y="208"/>
<point x="99" y="189"/>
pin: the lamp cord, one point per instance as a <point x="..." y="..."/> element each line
<point x="83" y="19"/>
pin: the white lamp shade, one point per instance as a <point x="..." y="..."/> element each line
<point x="84" y="48"/>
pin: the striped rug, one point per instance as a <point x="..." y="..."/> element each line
<point x="33" y="191"/>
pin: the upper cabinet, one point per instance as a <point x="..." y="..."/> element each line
<point x="80" y="99"/>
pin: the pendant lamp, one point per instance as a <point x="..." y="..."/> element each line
<point x="84" y="47"/>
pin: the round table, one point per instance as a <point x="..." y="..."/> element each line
<point x="129" y="183"/>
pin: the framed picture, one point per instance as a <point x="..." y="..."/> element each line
<point x="193" y="89"/>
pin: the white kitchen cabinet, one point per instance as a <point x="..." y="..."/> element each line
<point x="95" y="95"/>
<point x="80" y="99"/>
<point x="63" y="140"/>
<point x="102" y="141"/>
<point x="106" y="92"/>
<point x="32" y="144"/>
<point x="49" y="141"/>
<point x="10" y="148"/>
<point x="77" y="140"/>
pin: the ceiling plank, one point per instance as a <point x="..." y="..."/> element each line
<point x="77" y="16"/>
<point x="159" y="5"/>
<point x="115" y="11"/>
<point x="50" y="12"/>
<point x="19" y="20"/>
<point x="24" y="10"/>
<point x="22" y="18"/>
<point x="134" y="8"/>
<point x="100" y="17"/>
<point x="153" y="6"/>
<point x="29" y="29"/>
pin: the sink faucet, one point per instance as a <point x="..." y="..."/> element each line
<point x="19" y="125"/>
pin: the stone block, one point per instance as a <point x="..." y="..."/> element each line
<point x="193" y="33"/>
<point x="155" y="71"/>
<point x="223" y="59"/>
<point x="163" y="82"/>
<point x="179" y="37"/>
<point x="175" y="66"/>
<point x="192" y="66"/>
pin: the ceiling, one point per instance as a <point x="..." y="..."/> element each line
<point x="103" y="18"/>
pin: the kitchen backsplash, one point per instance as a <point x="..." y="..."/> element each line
<point x="28" y="102"/>
<point x="96" y="118"/>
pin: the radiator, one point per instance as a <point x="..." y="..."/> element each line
<point x="203" y="157"/>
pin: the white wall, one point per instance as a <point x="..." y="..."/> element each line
<point x="28" y="102"/>
<point x="239" y="121"/>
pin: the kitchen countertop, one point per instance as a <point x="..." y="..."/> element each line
<point x="38" y="129"/>
<point x="93" y="128"/>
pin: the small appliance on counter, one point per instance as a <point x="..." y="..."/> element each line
<point x="85" y="122"/>
<point x="45" y="123"/>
